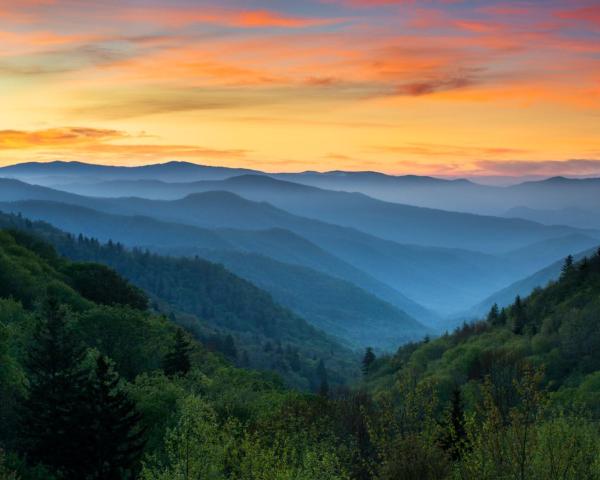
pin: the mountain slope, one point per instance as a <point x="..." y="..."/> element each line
<point x="335" y="306"/>
<point x="579" y="217"/>
<point x="414" y="271"/>
<point x="538" y="255"/>
<point x="523" y="287"/>
<point x="183" y="240"/>
<point x="213" y="299"/>
<point x="556" y="328"/>
<point x="392" y="221"/>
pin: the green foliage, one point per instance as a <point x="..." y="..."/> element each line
<point x="216" y="306"/>
<point x="133" y="339"/>
<point x="177" y="360"/>
<point x="368" y="360"/>
<point x="113" y="438"/>
<point x="513" y="397"/>
<point x="6" y="473"/>
<point x="104" y="286"/>
<point x="51" y="427"/>
<point x="195" y="446"/>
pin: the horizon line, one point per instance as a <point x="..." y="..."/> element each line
<point x="449" y="177"/>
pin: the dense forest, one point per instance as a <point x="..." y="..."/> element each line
<point x="225" y="312"/>
<point x="96" y="382"/>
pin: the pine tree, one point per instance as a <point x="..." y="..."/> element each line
<point x="494" y="316"/>
<point x="368" y="360"/>
<point x="518" y="314"/>
<point x="50" y="418"/>
<point x="177" y="360"/>
<point x="567" y="266"/>
<point x="114" y="439"/>
<point x="502" y="318"/>
<point x="455" y="434"/>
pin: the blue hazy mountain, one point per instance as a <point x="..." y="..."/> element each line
<point x="337" y="307"/>
<point x="573" y="216"/>
<point x="55" y="172"/>
<point x="400" y="223"/>
<point x="458" y="195"/>
<point x="424" y="274"/>
<point x="322" y="299"/>
<point x="524" y="286"/>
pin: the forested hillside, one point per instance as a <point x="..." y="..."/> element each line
<point x="522" y="386"/>
<point x="93" y="385"/>
<point x="230" y="314"/>
<point x="226" y="246"/>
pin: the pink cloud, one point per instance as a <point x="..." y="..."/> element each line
<point x="589" y="14"/>
<point x="234" y="18"/>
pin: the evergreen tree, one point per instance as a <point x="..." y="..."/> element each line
<point x="502" y="318"/>
<point x="323" y="380"/>
<point x="177" y="360"/>
<point x="50" y="417"/>
<point x="368" y="360"/>
<point x="518" y="316"/>
<point x="114" y="438"/>
<point x="494" y="316"/>
<point x="567" y="266"/>
<point x="455" y="434"/>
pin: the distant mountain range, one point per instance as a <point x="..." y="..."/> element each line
<point x="552" y="194"/>
<point x="423" y="261"/>
<point x="413" y="270"/>
<point x="335" y="305"/>
<point x="400" y="223"/>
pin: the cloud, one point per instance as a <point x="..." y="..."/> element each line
<point x="52" y="137"/>
<point x="588" y="14"/>
<point x="572" y="167"/>
<point x="152" y="100"/>
<point x="457" y="151"/>
<point x="82" y="142"/>
<point x="179" y="17"/>
<point x="432" y="86"/>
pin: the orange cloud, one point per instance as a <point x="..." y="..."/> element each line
<point x="19" y="43"/>
<point x="78" y="142"/>
<point x="17" y="139"/>
<point x="462" y="151"/>
<point x="173" y="17"/>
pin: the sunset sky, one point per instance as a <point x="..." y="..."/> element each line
<point x="440" y="87"/>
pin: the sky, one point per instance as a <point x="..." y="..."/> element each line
<point x="435" y="87"/>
